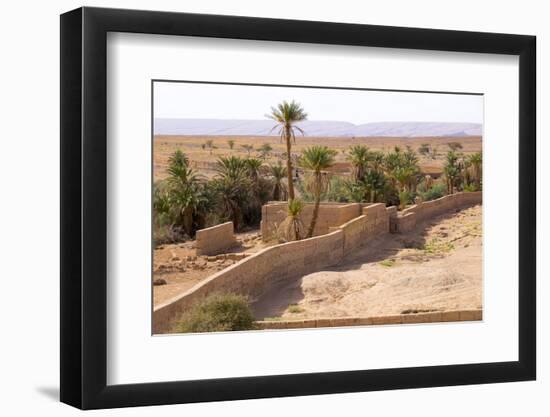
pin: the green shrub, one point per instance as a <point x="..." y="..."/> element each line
<point x="470" y="188"/>
<point x="218" y="313"/>
<point x="437" y="191"/>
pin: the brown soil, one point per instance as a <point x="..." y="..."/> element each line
<point x="181" y="268"/>
<point x="164" y="146"/>
<point x="437" y="267"/>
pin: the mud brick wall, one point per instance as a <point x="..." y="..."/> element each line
<point x="330" y="215"/>
<point x="257" y="274"/>
<point x="408" y="218"/>
<point x="216" y="239"/>
<point x="372" y="223"/>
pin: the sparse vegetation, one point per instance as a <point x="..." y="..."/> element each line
<point x="436" y="246"/>
<point x="217" y="313"/>
<point x="295" y="309"/>
<point x="387" y="262"/>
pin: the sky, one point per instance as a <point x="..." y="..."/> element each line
<point x="215" y="101"/>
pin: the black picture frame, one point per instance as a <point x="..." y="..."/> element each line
<point x="84" y="207"/>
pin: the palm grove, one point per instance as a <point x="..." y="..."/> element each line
<point x="186" y="201"/>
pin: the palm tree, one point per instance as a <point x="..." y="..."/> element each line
<point x="359" y="156"/>
<point x="316" y="159"/>
<point x="182" y="195"/>
<point x="210" y="145"/>
<point x="253" y="168"/>
<point x="292" y="227"/>
<point x="374" y="181"/>
<point x="278" y="172"/>
<point x="233" y="186"/>
<point x="265" y="150"/>
<point x="287" y="115"/>
<point x="248" y="148"/>
<point x="451" y="170"/>
<point x="231" y="167"/>
<point x="476" y="160"/>
<point x="403" y="175"/>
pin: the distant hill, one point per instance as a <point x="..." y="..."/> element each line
<point x="221" y="127"/>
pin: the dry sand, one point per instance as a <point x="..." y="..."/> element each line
<point x="164" y="146"/>
<point x="437" y="267"/>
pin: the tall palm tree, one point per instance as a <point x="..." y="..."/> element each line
<point x="278" y="172"/>
<point x="287" y="115"/>
<point x="359" y="156"/>
<point x="317" y="159"/>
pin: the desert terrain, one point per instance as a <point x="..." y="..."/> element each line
<point x="436" y="267"/>
<point x="203" y="157"/>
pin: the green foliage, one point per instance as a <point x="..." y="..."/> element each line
<point x="231" y="143"/>
<point x="437" y="247"/>
<point x="436" y="191"/>
<point x="295" y="309"/>
<point x="265" y="150"/>
<point x="292" y="227"/>
<point x="248" y="148"/>
<point x="387" y="263"/>
<point x="278" y="174"/>
<point x="454" y="146"/>
<point x="405" y="198"/>
<point x="359" y="156"/>
<point x="178" y="201"/>
<point x="316" y="159"/>
<point x="470" y="188"/>
<point x="218" y="313"/>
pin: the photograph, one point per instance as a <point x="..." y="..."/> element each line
<point x="297" y="207"/>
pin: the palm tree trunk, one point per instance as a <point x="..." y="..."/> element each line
<point x="289" y="167"/>
<point x="314" y="216"/>
<point x="316" y="207"/>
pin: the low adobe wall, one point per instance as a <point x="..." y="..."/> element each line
<point x="330" y="215"/>
<point x="374" y="222"/>
<point x="257" y="274"/>
<point x="408" y="218"/>
<point x="216" y="239"/>
<point x="431" y="317"/>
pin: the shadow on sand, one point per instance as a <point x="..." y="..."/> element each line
<point x="277" y="299"/>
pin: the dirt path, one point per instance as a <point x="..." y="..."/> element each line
<point x="436" y="267"/>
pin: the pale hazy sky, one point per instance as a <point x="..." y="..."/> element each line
<point x="209" y="101"/>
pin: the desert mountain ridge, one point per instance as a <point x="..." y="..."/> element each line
<point x="222" y="127"/>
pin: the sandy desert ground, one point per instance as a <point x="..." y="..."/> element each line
<point x="164" y="146"/>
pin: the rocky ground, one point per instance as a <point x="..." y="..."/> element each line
<point x="176" y="267"/>
<point x="437" y="267"/>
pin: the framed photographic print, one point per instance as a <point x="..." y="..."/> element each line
<point x="256" y="208"/>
